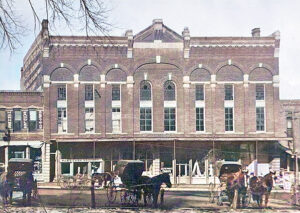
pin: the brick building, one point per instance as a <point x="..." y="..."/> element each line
<point x="174" y="101"/>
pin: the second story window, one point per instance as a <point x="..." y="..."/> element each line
<point x="17" y="124"/>
<point x="2" y="120"/>
<point x="289" y="123"/>
<point x="199" y="93"/>
<point x="169" y="91"/>
<point x="116" y="119"/>
<point x="228" y="119"/>
<point x="89" y="119"/>
<point x="89" y="95"/>
<point x="145" y="91"/>
<point x="116" y="95"/>
<point x="260" y="92"/>
<point x="228" y="92"/>
<point x="170" y="119"/>
<point x="61" y="93"/>
<point x="62" y="120"/>
<point x="33" y="124"/>
<point x="260" y="119"/>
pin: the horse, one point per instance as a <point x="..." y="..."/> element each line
<point x="151" y="187"/>
<point x="261" y="186"/>
<point x="24" y="183"/>
<point x="235" y="188"/>
<point x="5" y="188"/>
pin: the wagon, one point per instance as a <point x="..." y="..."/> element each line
<point x="19" y="175"/>
<point x="220" y="192"/>
<point x="125" y="181"/>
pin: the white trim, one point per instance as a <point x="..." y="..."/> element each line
<point x="232" y="45"/>
<point x="89" y="82"/>
<point x="200" y="82"/>
<point x="199" y="104"/>
<point x="260" y="103"/>
<point x="260" y="82"/>
<point x="170" y="104"/>
<point x="167" y="45"/>
<point x="116" y="103"/>
<point x="144" y="104"/>
<point x="62" y="82"/>
<point x="89" y="104"/>
<point x="228" y="103"/>
<point x="229" y="82"/>
<point x="62" y="103"/>
<point x="116" y="82"/>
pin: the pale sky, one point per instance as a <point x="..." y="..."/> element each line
<point x="203" y="17"/>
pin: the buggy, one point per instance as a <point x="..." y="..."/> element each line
<point x="224" y="192"/>
<point x="126" y="180"/>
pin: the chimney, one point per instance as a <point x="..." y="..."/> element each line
<point x="157" y="24"/>
<point x="45" y="24"/>
<point x="256" y="32"/>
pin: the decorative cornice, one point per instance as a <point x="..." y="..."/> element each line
<point x="232" y="45"/>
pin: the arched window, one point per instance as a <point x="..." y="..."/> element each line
<point x="145" y="91"/>
<point x="169" y="91"/>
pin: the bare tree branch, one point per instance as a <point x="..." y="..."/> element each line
<point x="90" y="15"/>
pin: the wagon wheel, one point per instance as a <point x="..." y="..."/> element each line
<point x="149" y="199"/>
<point x="133" y="198"/>
<point x="211" y="193"/>
<point x="111" y="192"/>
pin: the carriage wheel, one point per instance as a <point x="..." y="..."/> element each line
<point x="211" y="193"/>
<point x="149" y="199"/>
<point x="111" y="192"/>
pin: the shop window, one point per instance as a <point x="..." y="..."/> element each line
<point x="62" y="120"/>
<point x="145" y="91"/>
<point x="116" y="95"/>
<point x="89" y="95"/>
<point x="19" y="154"/>
<point x="169" y="91"/>
<point x="199" y="93"/>
<point x="145" y="119"/>
<point x="228" y="92"/>
<point x="61" y="93"/>
<point x="260" y="92"/>
<point x="89" y="119"/>
<point x="200" y="119"/>
<point x="228" y="119"/>
<point x="2" y="120"/>
<point x="33" y="121"/>
<point x="17" y="123"/>
<point x="170" y="119"/>
<point x="260" y="119"/>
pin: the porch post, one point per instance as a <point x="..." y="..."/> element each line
<point x="133" y="149"/>
<point x="190" y="170"/>
<point x="6" y="158"/>
<point x="174" y="162"/>
<point x="27" y="152"/>
<point x="256" y="159"/>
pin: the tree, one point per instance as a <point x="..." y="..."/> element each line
<point x="91" y="14"/>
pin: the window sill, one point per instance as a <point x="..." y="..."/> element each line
<point x="90" y="133"/>
<point x="116" y="133"/>
<point x="62" y="133"/>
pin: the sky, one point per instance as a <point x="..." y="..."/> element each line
<point x="202" y="17"/>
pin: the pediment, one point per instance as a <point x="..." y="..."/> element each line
<point x="157" y="31"/>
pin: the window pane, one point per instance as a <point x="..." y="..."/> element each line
<point x="61" y="93"/>
<point x="199" y="93"/>
<point x="33" y="115"/>
<point x="228" y="92"/>
<point x="260" y="119"/>
<point x="260" y="92"/>
<point x="145" y="91"/>
<point x="116" y="92"/>
<point x="89" y="95"/>
<point x="169" y="91"/>
<point x="228" y="119"/>
<point x="170" y="119"/>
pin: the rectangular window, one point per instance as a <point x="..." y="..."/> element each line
<point x="199" y="93"/>
<point x="228" y="119"/>
<point x="62" y="120"/>
<point x="89" y="119"/>
<point x="289" y="124"/>
<point x="61" y="93"/>
<point x="170" y="119"/>
<point x="260" y="92"/>
<point x="17" y="124"/>
<point x="89" y="95"/>
<point x="145" y="119"/>
<point x="116" y="93"/>
<point x="19" y="154"/>
<point x="33" y="121"/>
<point x="200" y="119"/>
<point x="116" y="119"/>
<point x="2" y="120"/>
<point x="260" y="119"/>
<point x="228" y="92"/>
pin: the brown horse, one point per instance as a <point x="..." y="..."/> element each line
<point x="235" y="188"/>
<point x="5" y="188"/>
<point x="261" y="186"/>
<point x="102" y="178"/>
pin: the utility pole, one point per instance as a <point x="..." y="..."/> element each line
<point x="295" y="154"/>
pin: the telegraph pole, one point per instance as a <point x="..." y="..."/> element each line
<point x="296" y="174"/>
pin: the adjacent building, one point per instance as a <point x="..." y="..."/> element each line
<point x="175" y="101"/>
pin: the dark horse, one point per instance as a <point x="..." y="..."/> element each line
<point x="236" y="188"/>
<point x="23" y="183"/>
<point x="261" y="186"/>
<point x="151" y="186"/>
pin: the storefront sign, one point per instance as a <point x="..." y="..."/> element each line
<point x="80" y="160"/>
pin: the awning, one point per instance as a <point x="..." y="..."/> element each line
<point x="286" y="146"/>
<point x="32" y="144"/>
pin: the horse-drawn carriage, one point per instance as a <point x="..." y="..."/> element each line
<point x="233" y="186"/>
<point x="18" y="178"/>
<point x="127" y="180"/>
